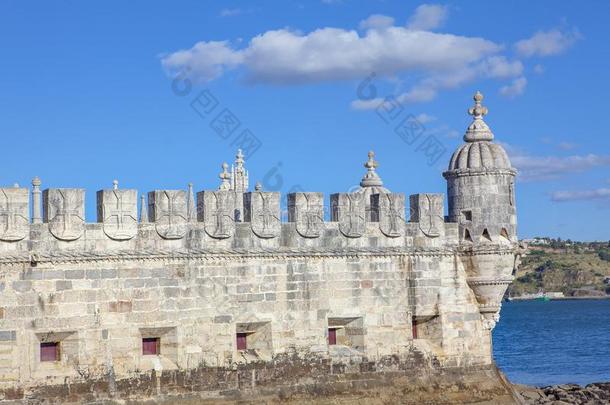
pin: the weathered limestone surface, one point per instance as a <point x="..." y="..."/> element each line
<point x="411" y="303"/>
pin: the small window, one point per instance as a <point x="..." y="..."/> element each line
<point x="332" y="336"/>
<point x="486" y="234"/>
<point x="467" y="215"/>
<point x="242" y="341"/>
<point x="254" y="337"/>
<point x="151" y="346"/>
<point x="467" y="236"/>
<point x="414" y="328"/>
<point x="346" y="332"/>
<point x="504" y="233"/>
<point x="49" y="351"/>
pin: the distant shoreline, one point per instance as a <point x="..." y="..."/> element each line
<point x="589" y="297"/>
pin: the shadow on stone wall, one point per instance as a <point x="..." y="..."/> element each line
<point x="287" y="378"/>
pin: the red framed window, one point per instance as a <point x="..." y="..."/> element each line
<point x="151" y="346"/>
<point x="242" y="341"/>
<point x="332" y="336"/>
<point x="49" y="351"/>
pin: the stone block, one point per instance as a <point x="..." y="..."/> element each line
<point x="262" y="211"/>
<point x="64" y="211"/>
<point x="428" y="211"/>
<point x="389" y="210"/>
<point x="22" y="286"/>
<point x="168" y="210"/>
<point x="14" y="214"/>
<point x="306" y="210"/>
<point x="8" y="336"/>
<point x="349" y="210"/>
<point x="117" y="211"/>
<point x="217" y="210"/>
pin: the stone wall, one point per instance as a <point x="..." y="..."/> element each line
<point x="99" y="290"/>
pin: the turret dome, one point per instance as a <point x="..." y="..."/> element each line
<point x="479" y="152"/>
<point x="479" y="155"/>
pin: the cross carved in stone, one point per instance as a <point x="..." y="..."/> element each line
<point x="10" y="218"/>
<point x="122" y="217"/>
<point x="67" y="216"/>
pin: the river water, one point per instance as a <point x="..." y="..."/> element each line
<point x="555" y="342"/>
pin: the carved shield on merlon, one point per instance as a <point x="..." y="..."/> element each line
<point x="263" y="213"/>
<point x="117" y="210"/>
<point x="428" y="211"/>
<point x="14" y="213"/>
<point x="64" y="211"/>
<point x="390" y="209"/>
<point x="306" y="210"/>
<point x="168" y="210"/>
<point x="218" y="213"/>
<point x="349" y="209"/>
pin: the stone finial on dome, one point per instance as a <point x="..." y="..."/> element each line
<point x="225" y="178"/>
<point x="478" y="129"/>
<point x="371" y="178"/>
<point x="115" y="184"/>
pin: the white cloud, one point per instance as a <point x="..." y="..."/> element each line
<point x="547" y="43"/>
<point x="443" y="130"/>
<point x="205" y="61"/>
<point x="287" y="57"/>
<point x="540" y="168"/>
<point x="539" y="69"/>
<point x="230" y="12"/>
<point x="582" y="195"/>
<point x="432" y="61"/>
<point x="376" y="21"/>
<point x="567" y="145"/>
<point x="425" y="118"/>
<point x="516" y="88"/>
<point x="428" y="17"/>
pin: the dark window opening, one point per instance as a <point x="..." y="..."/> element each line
<point x="486" y="234"/>
<point x="346" y="332"/>
<point x="332" y="336"/>
<point x="242" y="341"/>
<point x="467" y="215"/>
<point x="151" y="346"/>
<point x="467" y="235"/>
<point x="49" y="351"/>
<point x="414" y="328"/>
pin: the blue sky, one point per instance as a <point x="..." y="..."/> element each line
<point x="87" y="96"/>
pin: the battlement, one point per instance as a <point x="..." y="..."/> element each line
<point x="171" y="220"/>
<point x="226" y="218"/>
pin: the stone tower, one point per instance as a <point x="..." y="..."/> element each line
<point x="480" y="185"/>
<point x="481" y="199"/>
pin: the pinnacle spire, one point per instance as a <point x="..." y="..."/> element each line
<point x="190" y="205"/>
<point x="143" y="210"/>
<point x="239" y="174"/>
<point x="478" y="129"/>
<point x="225" y="178"/>
<point x="371" y="178"/>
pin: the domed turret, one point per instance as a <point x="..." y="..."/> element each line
<point x="481" y="199"/>
<point x="480" y="185"/>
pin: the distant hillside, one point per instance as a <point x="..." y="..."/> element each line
<point x="574" y="268"/>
